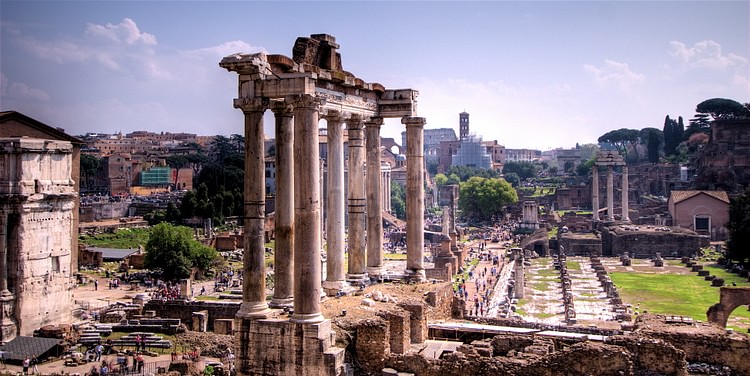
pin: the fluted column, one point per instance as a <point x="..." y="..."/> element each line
<point x="625" y="214"/>
<point x="414" y="198"/>
<point x="335" y="275"/>
<point x="374" y="199"/>
<point x="307" y="268"/>
<point x="610" y="194"/>
<point x="283" y="262"/>
<point x="3" y="253"/>
<point x="595" y="192"/>
<point x="253" y="262"/>
<point x="356" y="199"/>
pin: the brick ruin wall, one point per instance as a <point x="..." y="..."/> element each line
<point x="647" y="350"/>
<point x="183" y="310"/>
<point x="644" y="244"/>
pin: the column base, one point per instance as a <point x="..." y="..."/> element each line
<point x="282" y="347"/>
<point x="8" y="327"/>
<point x="375" y="272"/>
<point x="415" y="275"/>
<point x="307" y="318"/>
<point x="254" y="310"/>
<point x="280" y="303"/>
<point x="334" y="288"/>
<point x="356" y="278"/>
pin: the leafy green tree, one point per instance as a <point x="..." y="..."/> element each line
<point x="513" y="179"/>
<point x="441" y="180"/>
<point x="738" y="245"/>
<point x="173" y="250"/>
<point x="673" y="135"/>
<point x="466" y="172"/>
<point x="720" y="108"/>
<point x="653" y="139"/>
<point x="482" y="199"/>
<point x="588" y="151"/>
<point x="524" y="170"/>
<point x="177" y="162"/>
<point x="89" y="169"/>
<point x="398" y="200"/>
<point x="453" y="179"/>
<point x="584" y="168"/>
<point x="196" y="162"/>
<point x="432" y="167"/>
<point x="620" y="139"/>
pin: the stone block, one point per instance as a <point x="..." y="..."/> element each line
<point x="400" y="330"/>
<point x="224" y="326"/>
<point x="199" y="321"/>
<point x="373" y="342"/>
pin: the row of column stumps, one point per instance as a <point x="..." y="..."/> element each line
<point x="298" y="206"/>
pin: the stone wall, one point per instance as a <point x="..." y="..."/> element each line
<point x="645" y="241"/>
<point x="580" y="245"/>
<point x="183" y="310"/>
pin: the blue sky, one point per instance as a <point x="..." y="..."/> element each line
<point x="531" y="74"/>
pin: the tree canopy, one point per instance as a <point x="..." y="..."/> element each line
<point x="720" y="108"/>
<point x="482" y="199"/>
<point x="620" y="139"/>
<point x="173" y="250"/>
<point x="673" y="134"/>
<point x="524" y="170"/>
<point x="738" y="245"/>
<point x="653" y="139"/>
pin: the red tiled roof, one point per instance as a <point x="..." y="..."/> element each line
<point x="679" y="196"/>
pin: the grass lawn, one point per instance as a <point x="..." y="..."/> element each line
<point x="686" y="295"/>
<point x="121" y="239"/>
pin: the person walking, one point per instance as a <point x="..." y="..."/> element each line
<point x="26" y="363"/>
<point x="35" y="366"/>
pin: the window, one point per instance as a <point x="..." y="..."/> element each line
<point x="56" y="264"/>
<point x="702" y="223"/>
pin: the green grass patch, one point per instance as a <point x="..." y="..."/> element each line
<point x="120" y="239"/>
<point x="686" y="295"/>
<point x="573" y="265"/>
<point x="718" y="271"/>
<point x="395" y="256"/>
<point x="552" y="233"/>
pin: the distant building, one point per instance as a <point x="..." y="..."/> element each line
<point x="432" y="141"/>
<point x="472" y="153"/>
<point x="705" y="212"/>
<point x="522" y="155"/>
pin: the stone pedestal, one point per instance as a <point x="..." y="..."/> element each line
<point x="8" y="327"/>
<point x="278" y="346"/>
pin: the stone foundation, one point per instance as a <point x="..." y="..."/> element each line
<point x="277" y="346"/>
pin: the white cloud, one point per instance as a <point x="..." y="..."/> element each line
<point x="615" y="74"/>
<point x="706" y="55"/>
<point x="18" y="90"/>
<point x="226" y="49"/>
<point x="126" y="31"/>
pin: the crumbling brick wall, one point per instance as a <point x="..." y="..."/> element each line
<point x="373" y="343"/>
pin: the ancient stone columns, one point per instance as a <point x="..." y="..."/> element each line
<point x="610" y="159"/>
<point x="595" y="192"/>
<point x="307" y="226"/>
<point x="335" y="276"/>
<point x="610" y="195"/>
<point x="284" y="217"/>
<point x="414" y="198"/>
<point x="624" y="197"/>
<point x="374" y="199"/>
<point x="356" y="200"/>
<point x="253" y="263"/>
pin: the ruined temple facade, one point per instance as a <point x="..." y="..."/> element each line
<point x="38" y="224"/>
<point x="300" y="91"/>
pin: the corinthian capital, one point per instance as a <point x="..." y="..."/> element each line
<point x="257" y="104"/>
<point x="306" y="101"/>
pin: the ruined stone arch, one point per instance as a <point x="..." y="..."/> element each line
<point x="730" y="298"/>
